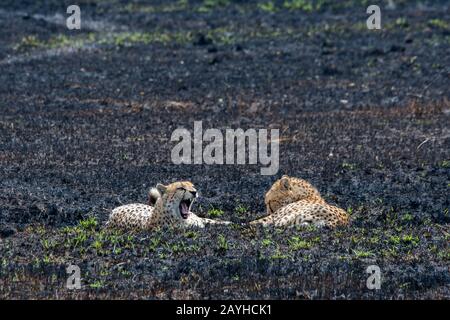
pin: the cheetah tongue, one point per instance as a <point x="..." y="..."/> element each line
<point x="184" y="210"/>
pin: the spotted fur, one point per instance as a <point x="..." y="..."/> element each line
<point x="294" y="201"/>
<point x="167" y="210"/>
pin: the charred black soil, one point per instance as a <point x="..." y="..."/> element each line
<point x="86" y="119"/>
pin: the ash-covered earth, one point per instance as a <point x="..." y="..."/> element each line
<point x="86" y="118"/>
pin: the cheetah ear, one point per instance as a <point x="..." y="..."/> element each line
<point x="285" y="182"/>
<point x="161" y="188"/>
<point x="153" y="196"/>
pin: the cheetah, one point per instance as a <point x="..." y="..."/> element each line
<point x="172" y="204"/>
<point x="294" y="201"/>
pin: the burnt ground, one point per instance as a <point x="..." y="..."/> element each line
<point x="86" y="119"/>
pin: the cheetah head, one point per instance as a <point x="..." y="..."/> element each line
<point x="288" y="190"/>
<point x="177" y="198"/>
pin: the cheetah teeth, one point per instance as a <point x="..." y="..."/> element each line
<point x="184" y="208"/>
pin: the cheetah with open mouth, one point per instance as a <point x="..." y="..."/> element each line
<point x="172" y="207"/>
<point x="293" y="201"/>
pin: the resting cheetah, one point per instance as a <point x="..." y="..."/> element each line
<point x="295" y="201"/>
<point x="172" y="205"/>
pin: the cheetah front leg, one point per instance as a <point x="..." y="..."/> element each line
<point x="264" y="221"/>
<point x="282" y="218"/>
<point x="211" y="221"/>
<point x="300" y="214"/>
<point x="196" y="221"/>
<point x="302" y="218"/>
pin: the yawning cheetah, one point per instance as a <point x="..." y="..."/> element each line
<point x="295" y="201"/>
<point x="172" y="205"/>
